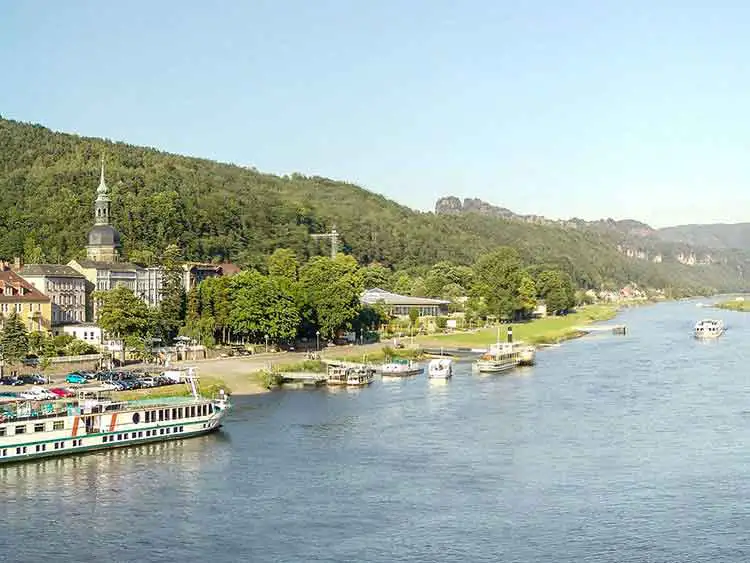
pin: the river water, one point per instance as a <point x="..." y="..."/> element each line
<point x="612" y="448"/>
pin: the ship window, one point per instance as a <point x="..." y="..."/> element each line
<point x="140" y="434"/>
<point x="174" y="414"/>
<point x="161" y="415"/>
<point x="119" y="436"/>
<point x="168" y="429"/>
<point x="57" y="445"/>
<point x="136" y="418"/>
<point x="62" y="445"/>
<point x="125" y="436"/>
<point x="2" y="432"/>
<point x="161" y="431"/>
<point x="147" y="416"/>
<point x="192" y="411"/>
<point x="104" y="439"/>
<point x="39" y="427"/>
<point x="38" y="447"/>
<point x="5" y="452"/>
<point x="58" y="425"/>
<point x="179" y="412"/>
<point x="182" y="428"/>
<point x="210" y="409"/>
<point x="18" y="451"/>
<point x="24" y="449"/>
<point x="20" y="430"/>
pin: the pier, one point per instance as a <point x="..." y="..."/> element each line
<point x="303" y="377"/>
<point x="614" y="329"/>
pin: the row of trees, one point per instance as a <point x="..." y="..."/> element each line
<point x="287" y="299"/>
<point x="16" y="343"/>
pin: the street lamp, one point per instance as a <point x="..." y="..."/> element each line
<point x="266" y="344"/>
<point x="2" y="361"/>
<point x="317" y="340"/>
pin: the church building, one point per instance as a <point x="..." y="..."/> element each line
<point x="103" y="268"/>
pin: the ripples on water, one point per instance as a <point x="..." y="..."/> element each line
<point x="612" y="448"/>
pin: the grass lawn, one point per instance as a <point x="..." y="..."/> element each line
<point x="547" y="330"/>
<point x="743" y="306"/>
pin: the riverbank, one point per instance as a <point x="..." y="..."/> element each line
<point x="740" y="306"/>
<point x="549" y="330"/>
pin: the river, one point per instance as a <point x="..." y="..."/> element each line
<point x="612" y="448"/>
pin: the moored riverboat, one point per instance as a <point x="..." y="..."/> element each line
<point x="94" y="420"/>
<point x="708" y="328"/>
<point x="401" y="368"/>
<point x="503" y="358"/>
<point x="440" y="368"/>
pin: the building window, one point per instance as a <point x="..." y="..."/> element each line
<point x="19" y="307"/>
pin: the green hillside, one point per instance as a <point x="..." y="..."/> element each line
<point x="216" y="211"/>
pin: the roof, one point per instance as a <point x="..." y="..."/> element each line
<point x="114" y="266"/>
<point x="104" y="235"/>
<point x="376" y="295"/>
<point x="50" y="270"/>
<point x="16" y="289"/>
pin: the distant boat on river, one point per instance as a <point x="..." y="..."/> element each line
<point x="708" y="328"/>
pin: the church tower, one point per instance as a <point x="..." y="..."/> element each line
<point x="104" y="240"/>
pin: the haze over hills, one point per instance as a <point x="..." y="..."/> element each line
<point x="221" y="212"/>
<point x="696" y="237"/>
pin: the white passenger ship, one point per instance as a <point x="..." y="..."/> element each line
<point x="94" y="421"/>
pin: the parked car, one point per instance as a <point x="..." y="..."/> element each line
<point x="10" y="381"/>
<point x="62" y="392"/>
<point x="75" y="378"/>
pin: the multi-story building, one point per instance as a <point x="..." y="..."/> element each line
<point x="65" y="287"/>
<point x="32" y="306"/>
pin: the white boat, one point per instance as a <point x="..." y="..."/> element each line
<point x="360" y="376"/>
<point x="708" y="328"/>
<point x="503" y="358"/>
<point x="401" y="368"/>
<point x="350" y="376"/>
<point x="440" y="368"/>
<point x="94" y="420"/>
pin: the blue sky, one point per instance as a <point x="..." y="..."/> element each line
<point x="589" y="109"/>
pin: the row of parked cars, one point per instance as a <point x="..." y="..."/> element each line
<point x="30" y="379"/>
<point x="120" y="380"/>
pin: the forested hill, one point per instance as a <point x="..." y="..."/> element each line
<point x="723" y="236"/>
<point x="217" y="211"/>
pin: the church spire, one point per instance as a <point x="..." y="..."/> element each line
<point x="101" y="205"/>
<point x="102" y="189"/>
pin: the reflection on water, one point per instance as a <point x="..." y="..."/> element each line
<point x="612" y="448"/>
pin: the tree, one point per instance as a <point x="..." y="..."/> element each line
<point x="172" y="306"/>
<point x="376" y="275"/>
<point x="262" y="306"/>
<point x="556" y="288"/>
<point x="526" y="294"/>
<point x="413" y="316"/>
<point x="283" y="264"/>
<point x="496" y="281"/>
<point x="120" y="313"/>
<point x="332" y="289"/>
<point x="14" y="340"/>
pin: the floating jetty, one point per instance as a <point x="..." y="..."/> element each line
<point x="303" y="377"/>
<point x="614" y="329"/>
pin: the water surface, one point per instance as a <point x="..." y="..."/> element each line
<point x="612" y="448"/>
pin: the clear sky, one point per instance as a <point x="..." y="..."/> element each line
<point x="635" y="109"/>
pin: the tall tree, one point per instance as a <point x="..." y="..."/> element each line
<point x="376" y="275"/>
<point x="283" y="264"/>
<point x="14" y="340"/>
<point x="172" y="306"/>
<point x="262" y="306"/>
<point x="120" y="313"/>
<point x="333" y="289"/>
<point x="496" y="280"/>
<point x="526" y="294"/>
